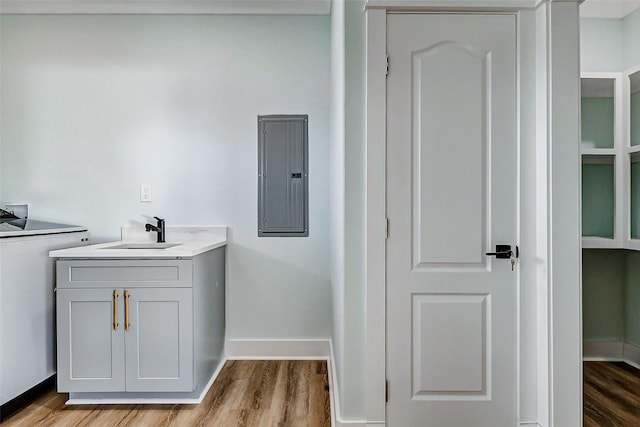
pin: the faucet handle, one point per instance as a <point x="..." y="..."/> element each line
<point x="159" y="219"/>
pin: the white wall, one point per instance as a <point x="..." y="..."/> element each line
<point x="631" y="32"/>
<point x="355" y="67"/>
<point x="337" y="168"/>
<point x="601" y="45"/>
<point x="347" y="203"/>
<point x="610" y="45"/>
<point x="93" y="106"/>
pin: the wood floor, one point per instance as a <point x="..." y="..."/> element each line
<point x="246" y="393"/>
<point x="611" y="395"/>
<point x="295" y="393"/>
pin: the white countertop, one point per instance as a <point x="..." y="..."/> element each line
<point x="191" y="242"/>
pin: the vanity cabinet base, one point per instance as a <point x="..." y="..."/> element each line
<point x="140" y="329"/>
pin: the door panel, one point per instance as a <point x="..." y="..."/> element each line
<point x="445" y="367"/>
<point x="90" y="349"/>
<point x="450" y="140"/>
<point x="160" y="340"/>
<point x="451" y="197"/>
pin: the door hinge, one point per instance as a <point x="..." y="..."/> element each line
<point x="387" y="66"/>
<point x="386" y="228"/>
<point x="386" y="391"/>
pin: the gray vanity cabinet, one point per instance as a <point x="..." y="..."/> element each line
<point x="125" y="326"/>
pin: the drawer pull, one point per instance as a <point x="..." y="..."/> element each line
<point x="115" y="310"/>
<point x="126" y="311"/>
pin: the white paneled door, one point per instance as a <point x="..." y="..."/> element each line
<point x="451" y="198"/>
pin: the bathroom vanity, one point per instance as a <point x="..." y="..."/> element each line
<point x="141" y="322"/>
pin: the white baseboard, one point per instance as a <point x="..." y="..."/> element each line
<point x="632" y="355"/>
<point x="306" y="349"/>
<point x="603" y="350"/>
<point x="334" y="391"/>
<point x="611" y="351"/>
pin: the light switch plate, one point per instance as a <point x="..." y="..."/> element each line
<point x="145" y="193"/>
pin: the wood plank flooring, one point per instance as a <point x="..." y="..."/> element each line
<point x="295" y="393"/>
<point x="258" y="393"/>
<point x="611" y="395"/>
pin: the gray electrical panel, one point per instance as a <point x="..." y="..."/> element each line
<point x="283" y="179"/>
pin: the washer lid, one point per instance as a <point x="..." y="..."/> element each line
<point x="6" y="216"/>
<point x="27" y="227"/>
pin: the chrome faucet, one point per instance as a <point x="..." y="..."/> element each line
<point x="158" y="228"/>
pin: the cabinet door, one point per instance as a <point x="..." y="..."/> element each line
<point x="90" y="343"/>
<point x="159" y="339"/>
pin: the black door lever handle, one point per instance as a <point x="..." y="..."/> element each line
<point x="503" y="252"/>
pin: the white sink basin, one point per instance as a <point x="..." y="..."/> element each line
<point x="143" y="246"/>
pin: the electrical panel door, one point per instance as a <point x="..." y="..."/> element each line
<point x="283" y="201"/>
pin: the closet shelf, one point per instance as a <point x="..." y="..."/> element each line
<point x="600" y="151"/>
<point x="593" y="242"/>
<point x="610" y="156"/>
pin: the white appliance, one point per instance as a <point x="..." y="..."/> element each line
<point x="27" y="283"/>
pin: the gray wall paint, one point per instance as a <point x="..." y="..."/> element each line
<point x="611" y="295"/>
<point x="94" y="106"/>
<point x="632" y="299"/>
<point x="603" y="289"/>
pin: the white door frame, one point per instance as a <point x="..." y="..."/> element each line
<point x="549" y="120"/>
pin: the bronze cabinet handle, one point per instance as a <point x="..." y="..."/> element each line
<point x="126" y="311"/>
<point x="115" y="310"/>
